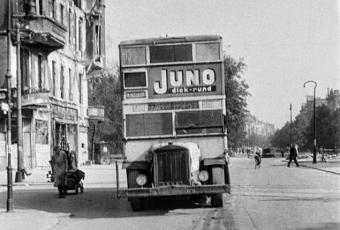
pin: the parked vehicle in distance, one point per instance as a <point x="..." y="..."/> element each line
<point x="268" y="152"/>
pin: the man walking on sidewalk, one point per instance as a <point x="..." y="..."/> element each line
<point x="293" y="153"/>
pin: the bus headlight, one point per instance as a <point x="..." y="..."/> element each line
<point x="203" y="175"/>
<point x="141" y="179"/>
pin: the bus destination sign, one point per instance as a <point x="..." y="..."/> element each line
<point x="173" y="105"/>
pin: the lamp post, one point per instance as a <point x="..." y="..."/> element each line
<point x="290" y="125"/>
<point x="9" y="203"/>
<point x="19" y="174"/>
<point x="314" y="125"/>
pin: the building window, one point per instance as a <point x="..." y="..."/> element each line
<point x="75" y="31"/>
<point x="77" y="3"/>
<point x="69" y="26"/>
<point x="98" y="40"/>
<point x="41" y="7"/>
<point x="62" y="14"/>
<point x="52" y="9"/>
<point x="40" y="72"/>
<point x="54" y="75"/>
<point x="62" y="79"/>
<point x="41" y="132"/>
<point x="70" y="84"/>
<point x="80" y="31"/>
<point x="80" y="89"/>
<point x="24" y="62"/>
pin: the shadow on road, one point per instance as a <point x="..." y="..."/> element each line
<point x="93" y="203"/>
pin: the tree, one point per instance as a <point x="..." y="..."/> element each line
<point x="326" y="135"/>
<point x="327" y="129"/>
<point x="300" y="127"/>
<point x="105" y="89"/>
<point x="236" y="103"/>
<point x="280" y="138"/>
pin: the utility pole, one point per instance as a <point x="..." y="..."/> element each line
<point x="9" y="117"/>
<point x="19" y="174"/>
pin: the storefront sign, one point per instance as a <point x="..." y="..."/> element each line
<point x="96" y="113"/>
<point x="64" y="113"/>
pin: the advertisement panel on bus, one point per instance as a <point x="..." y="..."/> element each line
<point x="185" y="80"/>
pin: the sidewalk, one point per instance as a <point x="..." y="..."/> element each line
<point x="330" y="166"/>
<point x="95" y="175"/>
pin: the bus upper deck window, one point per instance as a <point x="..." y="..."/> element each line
<point x="170" y="53"/>
<point x="207" y="52"/>
<point x="134" y="79"/>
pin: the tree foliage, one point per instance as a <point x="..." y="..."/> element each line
<point x="327" y="129"/>
<point x="105" y="90"/>
<point x="281" y="137"/>
<point x="236" y="90"/>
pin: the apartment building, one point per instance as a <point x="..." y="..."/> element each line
<point x="62" y="42"/>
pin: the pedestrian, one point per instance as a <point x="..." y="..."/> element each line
<point x="323" y="158"/>
<point x="293" y="153"/>
<point x="60" y="166"/>
<point x="258" y="156"/>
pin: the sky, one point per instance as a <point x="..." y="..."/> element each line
<point x="283" y="43"/>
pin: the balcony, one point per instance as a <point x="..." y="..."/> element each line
<point x="44" y="32"/>
<point x="35" y="97"/>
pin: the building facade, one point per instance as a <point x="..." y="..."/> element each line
<point x="62" y="43"/>
<point x="253" y="126"/>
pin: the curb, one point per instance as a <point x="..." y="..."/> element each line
<point x="324" y="170"/>
<point x="27" y="184"/>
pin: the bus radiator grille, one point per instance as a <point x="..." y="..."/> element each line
<point x="171" y="167"/>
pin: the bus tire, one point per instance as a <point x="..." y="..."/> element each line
<point x="217" y="178"/>
<point x="136" y="203"/>
<point x="227" y="176"/>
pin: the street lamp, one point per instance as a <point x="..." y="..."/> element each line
<point x="290" y="125"/>
<point x="314" y="125"/>
<point x="9" y="203"/>
<point x="19" y="174"/>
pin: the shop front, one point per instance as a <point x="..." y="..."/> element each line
<point x="64" y="123"/>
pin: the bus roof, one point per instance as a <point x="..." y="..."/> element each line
<point x="166" y="40"/>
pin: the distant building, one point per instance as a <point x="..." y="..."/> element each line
<point x="318" y="102"/>
<point x="333" y="99"/>
<point x="258" y="127"/>
<point x="62" y="43"/>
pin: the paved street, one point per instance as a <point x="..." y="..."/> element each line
<point x="272" y="197"/>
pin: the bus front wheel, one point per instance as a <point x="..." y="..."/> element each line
<point x="136" y="203"/>
<point x="217" y="178"/>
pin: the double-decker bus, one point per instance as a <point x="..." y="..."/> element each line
<point x="174" y="112"/>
